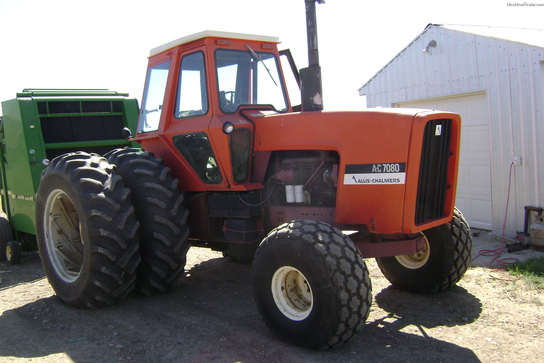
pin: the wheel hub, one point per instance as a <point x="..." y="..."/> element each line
<point x="292" y="293"/>
<point x="416" y="260"/>
<point x="62" y="235"/>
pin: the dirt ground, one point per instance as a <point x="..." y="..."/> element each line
<point x="211" y="317"/>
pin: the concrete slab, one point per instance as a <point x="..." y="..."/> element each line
<point x="492" y="251"/>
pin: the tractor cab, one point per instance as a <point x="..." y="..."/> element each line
<point x="194" y="91"/>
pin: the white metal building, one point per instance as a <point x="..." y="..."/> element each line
<point x="494" y="78"/>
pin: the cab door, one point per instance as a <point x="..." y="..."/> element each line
<point x="188" y="126"/>
<point x="245" y="81"/>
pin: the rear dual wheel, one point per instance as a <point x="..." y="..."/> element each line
<point x="87" y="232"/>
<point x="163" y="218"/>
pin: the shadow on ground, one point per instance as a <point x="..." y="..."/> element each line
<point x="29" y="270"/>
<point x="211" y="316"/>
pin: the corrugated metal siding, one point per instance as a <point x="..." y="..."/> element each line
<point x="514" y="128"/>
<point x="511" y="74"/>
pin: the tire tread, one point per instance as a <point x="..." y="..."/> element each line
<point x="455" y="261"/>
<point x="163" y="218"/>
<point x="338" y="260"/>
<point x="110" y="225"/>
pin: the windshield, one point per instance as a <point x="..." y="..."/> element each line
<point x="248" y="78"/>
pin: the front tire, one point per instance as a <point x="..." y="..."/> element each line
<point x="440" y="266"/>
<point x="86" y="231"/>
<point x="163" y="218"/>
<point x="311" y="284"/>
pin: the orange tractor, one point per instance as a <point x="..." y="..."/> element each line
<point x="227" y="162"/>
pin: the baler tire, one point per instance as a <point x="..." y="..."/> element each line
<point x="6" y="235"/>
<point x="13" y="252"/>
<point x="163" y="218"/>
<point x="440" y="267"/>
<point x="86" y="230"/>
<point x="311" y="284"/>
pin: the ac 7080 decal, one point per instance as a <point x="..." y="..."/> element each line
<point x="381" y="173"/>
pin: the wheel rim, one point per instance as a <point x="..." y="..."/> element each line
<point x="9" y="253"/>
<point x="292" y="293"/>
<point x="62" y="236"/>
<point x="416" y="260"/>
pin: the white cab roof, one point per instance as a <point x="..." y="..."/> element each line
<point x="212" y="33"/>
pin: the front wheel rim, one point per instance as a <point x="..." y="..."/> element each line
<point x="416" y="260"/>
<point x="62" y="231"/>
<point x="292" y="293"/>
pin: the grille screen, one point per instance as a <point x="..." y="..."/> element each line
<point x="433" y="172"/>
<point x="79" y="122"/>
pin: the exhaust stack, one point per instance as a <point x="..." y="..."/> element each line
<point x="310" y="78"/>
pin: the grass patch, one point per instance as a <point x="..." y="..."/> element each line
<point x="531" y="271"/>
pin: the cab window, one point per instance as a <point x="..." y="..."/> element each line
<point x="248" y="78"/>
<point x="240" y="149"/>
<point x="197" y="150"/>
<point x="192" y="98"/>
<point x="155" y="87"/>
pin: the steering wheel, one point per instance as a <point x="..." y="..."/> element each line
<point x="232" y="102"/>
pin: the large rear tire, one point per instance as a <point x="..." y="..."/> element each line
<point x="162" y="216"/>
<point x="440" y="266"/>
<point x="87" y="232"/>
<point x="311" y="284"/>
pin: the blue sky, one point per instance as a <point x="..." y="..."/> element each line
<point x="105" y="43"/>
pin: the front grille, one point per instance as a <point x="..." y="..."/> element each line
<point x="433" y="172"/>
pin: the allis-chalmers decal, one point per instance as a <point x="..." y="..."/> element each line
<point x="381" y="173"/>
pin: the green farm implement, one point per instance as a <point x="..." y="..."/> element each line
<point x="39" y="125"/>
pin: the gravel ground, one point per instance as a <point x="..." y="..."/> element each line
<point x="211" y="317"/>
